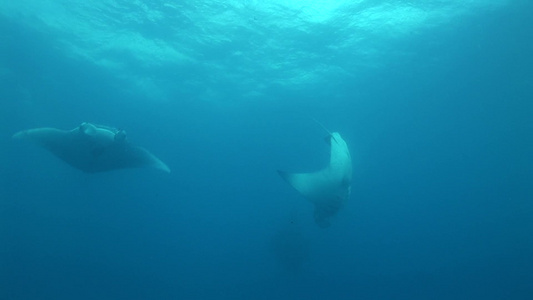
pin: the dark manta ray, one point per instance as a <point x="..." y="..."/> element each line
<point x="92" y="148"/>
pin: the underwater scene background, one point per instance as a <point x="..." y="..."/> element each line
<point x="434" y="99"/>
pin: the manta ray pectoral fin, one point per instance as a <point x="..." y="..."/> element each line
<point x="285" y="175"/>
<point x="158" y="164"/>
<point x="144" y="157"/>
<point x="43" y="136"/>
<point x="19" y="135"/>
<point x="308" y="184"/>
<point x="292" y="178"/>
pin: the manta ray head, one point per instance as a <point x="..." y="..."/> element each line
<point x="87" y="128"/>
<point x="120" y="136"/>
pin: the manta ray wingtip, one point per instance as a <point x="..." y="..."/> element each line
<point x="19" y="135"/>
<point x="161" y="166"/>
<point x="284" y="175"/>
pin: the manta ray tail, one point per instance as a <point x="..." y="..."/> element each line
<point x="321" y="125"/>
<point x="330" y="134"/>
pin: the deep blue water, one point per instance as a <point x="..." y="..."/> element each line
<point x="435" y="102"/>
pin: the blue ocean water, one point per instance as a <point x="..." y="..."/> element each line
<point x="435" y="101"/>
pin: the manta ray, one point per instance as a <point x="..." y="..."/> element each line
<point x="92" y="148"/>
<point x="329" y="188"/>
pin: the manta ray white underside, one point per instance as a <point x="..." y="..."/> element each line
<point x="329" y="188"/>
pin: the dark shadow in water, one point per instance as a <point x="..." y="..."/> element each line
<point x="289" y="245"/>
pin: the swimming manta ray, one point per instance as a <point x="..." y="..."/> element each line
<point x="92" y="148"/>
<point x="329" y="188"/>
